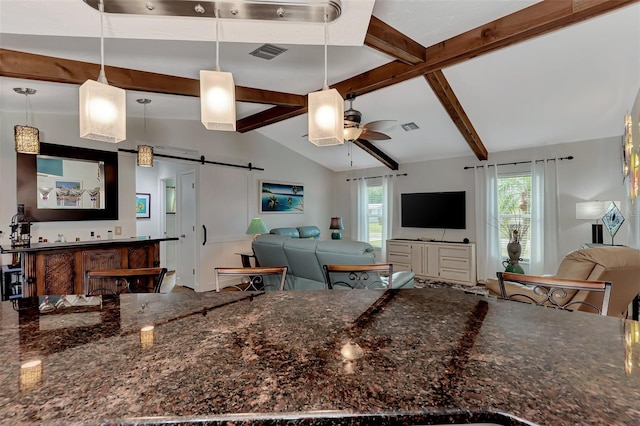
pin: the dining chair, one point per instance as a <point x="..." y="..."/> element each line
<point x="554" y="292"/>
<point x="378" y="275"/>
<point x="252" y="279"/>
<point x="117" y="281"/>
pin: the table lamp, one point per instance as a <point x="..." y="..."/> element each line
<point x="336" y="225"/>
<point x="257" y="227"/>
<point x="593" y="210"/>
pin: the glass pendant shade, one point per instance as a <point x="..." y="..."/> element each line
<point x="217" y="100"/>
<point x="27" y="139"/>
<point x="145" y="156"/>
<point x="352" y="133"/>
<point x="326" y="112"/>
<point x="103" y="111"/>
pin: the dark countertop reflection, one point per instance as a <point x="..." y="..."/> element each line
<point x="411" y="356"/>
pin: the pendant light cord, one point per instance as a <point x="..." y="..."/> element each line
<point x="326" y="84"/>
<point x="217" y="41"/>
<point x="102" y="78"/>
<point x="145" y="120"/>
<point x="26" y="109"/>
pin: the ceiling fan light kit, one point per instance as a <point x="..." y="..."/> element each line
<point x="103" y="108"/>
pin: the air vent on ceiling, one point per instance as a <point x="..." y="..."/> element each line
<point x="267" y="51"/>
<point x="407" y="127"/>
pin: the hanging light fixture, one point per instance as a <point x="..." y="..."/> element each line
<point x="145" y="152"/>
<point x="217" y="95"/>
<point x="27" y="138"/>
<point x="102" y="107"/>
<point x="326" y="110"/>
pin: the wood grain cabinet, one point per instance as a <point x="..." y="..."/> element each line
<point x="58" y="268"/>
<point x="452" y="262"/>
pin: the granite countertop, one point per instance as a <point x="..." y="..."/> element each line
<point x="317" y="357"/>
<point x="77" y="244"/>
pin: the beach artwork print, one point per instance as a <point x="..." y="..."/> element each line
<point x="277" y="197"/>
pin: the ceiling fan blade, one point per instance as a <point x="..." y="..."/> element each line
<point x="374" y="136"/>
<point x="380" y="125"/>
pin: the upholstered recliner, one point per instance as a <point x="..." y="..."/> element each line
<point x="299" y="232"/>
<point x="306" y="257"/>
<point x="619" y="265"/>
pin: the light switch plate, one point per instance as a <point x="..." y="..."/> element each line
<point x="118" y="230"/>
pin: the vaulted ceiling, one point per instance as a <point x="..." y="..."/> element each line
<point x="475" y="77"/>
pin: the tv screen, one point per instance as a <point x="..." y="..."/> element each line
<point x="445" y="210"/>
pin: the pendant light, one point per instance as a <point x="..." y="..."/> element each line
<point x="217" y="95"/>
<point x="326" y="110"/>
<point x="27" y="138"/>
<point x="145" y="152"/>
<point x="102" y="107"/>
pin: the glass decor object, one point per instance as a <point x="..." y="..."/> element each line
<point x="44" y="192"/>
<point x="612" y="220"/>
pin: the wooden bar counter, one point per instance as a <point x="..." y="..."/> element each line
<point x="58" y="268"/>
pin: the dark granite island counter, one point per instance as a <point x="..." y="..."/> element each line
<point x="321" y="357"/>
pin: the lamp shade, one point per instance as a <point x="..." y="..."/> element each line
<point x="352" y="133"/>
<point x="217" y="100"/>
<point x="591" y="209"/>
<point x="103" y="112"/>
<point x="27" y="139"/>
<point x="145" y="156"/>
<point x="336" y="223"/>
<point x="326" y="115"/>
<point x="257" y="226"/>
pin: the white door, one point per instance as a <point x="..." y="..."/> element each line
<point x="186" y="215"/>
<point x="168" y="251"/>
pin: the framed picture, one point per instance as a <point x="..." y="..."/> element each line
<point x="281" y="197"/>
<point x="143" y="206"/>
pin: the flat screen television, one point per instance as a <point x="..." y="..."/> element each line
<point x="446" y="210"/>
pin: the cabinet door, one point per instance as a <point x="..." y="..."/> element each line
<point x="418" y="259"/>
<point x="432" y="256"/>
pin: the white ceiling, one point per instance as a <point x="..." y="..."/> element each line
<point x="569" y="85"/>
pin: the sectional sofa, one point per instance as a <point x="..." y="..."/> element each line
<point x="305" y="258"/>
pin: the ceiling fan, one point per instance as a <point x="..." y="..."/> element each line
<point x="369" y="131"/>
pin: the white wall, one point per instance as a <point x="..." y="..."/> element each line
<point x="228" y="196"/>
<point x="594" y="173"/>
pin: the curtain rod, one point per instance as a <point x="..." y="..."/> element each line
<point x="569" y="157"/>
<point x="200" y="160"/>
<point x="374" y="177"/>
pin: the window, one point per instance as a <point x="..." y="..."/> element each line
<point x="374" y="213"/>
<point x="514" y="210"/>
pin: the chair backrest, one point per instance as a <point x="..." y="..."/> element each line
<point x="116" y="281"/>
<point x="551" y="291"/>
<point x="252" y="279"/>
<point x="358" y="276"/>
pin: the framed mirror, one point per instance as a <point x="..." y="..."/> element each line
<point x="66" y="183"/>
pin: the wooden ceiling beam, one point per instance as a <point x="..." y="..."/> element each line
<point x="376" y="153"/>
<point x="388" y="40"/>
<point x="449" y="101"/>
<point x="30" y="66"/>
<point x="528" y="23"/>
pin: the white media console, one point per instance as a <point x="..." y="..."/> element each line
<point x="436" y="260"/>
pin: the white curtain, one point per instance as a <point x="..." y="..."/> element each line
<point x="487" y="225"/>
<point x="544" y="217"/>
<point x="358" y="210"/>
<point x="388" y="199"/>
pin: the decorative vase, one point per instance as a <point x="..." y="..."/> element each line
<point x="514" y="249"/>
